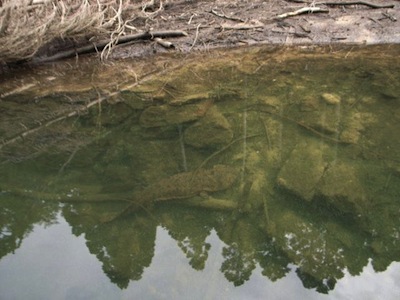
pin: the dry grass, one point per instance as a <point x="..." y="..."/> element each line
<point x="28" y="25"/>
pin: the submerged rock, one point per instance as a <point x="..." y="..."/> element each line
<point x="303" y="170"/>
<point x="162" y="115"/>
<point x="354" y="125"/>
<point x="332" y="99"/>
<point x="191" y="98"/>
<point x="189" y="184"/>
<point x="136" y="100"/>
<point x="325" y="122"/>
<point x="309" y="103"/>
<point x="341" y="188"/>
<point x="211" y="131"/>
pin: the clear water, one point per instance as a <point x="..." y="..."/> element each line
<point x="250" y="174"/>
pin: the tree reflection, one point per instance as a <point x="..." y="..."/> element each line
<point x="17" y="218"/>
<point x="190" y="229"/>
<point x="320" y="250"/>
<point x="238" y="265"/>
<point x="125" y="246"/>
<point x="320" y="247"/>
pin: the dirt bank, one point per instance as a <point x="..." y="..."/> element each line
<point x="158" y="26"/>
<point x="223" y="23"/>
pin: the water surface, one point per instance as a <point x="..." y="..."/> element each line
<point x="244" y="174"/>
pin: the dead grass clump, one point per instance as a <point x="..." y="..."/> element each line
<point x="28" y="25"/>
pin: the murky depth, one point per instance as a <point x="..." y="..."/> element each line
<point x="255" y="173"/>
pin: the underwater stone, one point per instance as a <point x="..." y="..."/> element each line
<point x="309" y="103"/>
<point x="189" y="184"/>
<point x="154" y="116"/>
<point x="389" y="92"/>
<point x="225" y="95"/>
<point x="110" y="114"/>
<point x="350" y="136"/>
<point x="303" y="170"/>
<point x="341" y="187"/>
<point x="326" y="121"/>
<point x="332" y="99"/>
<point x="212" y="130"/>
<point x="354" y="124"/>
<point x="272" y="101"/>
<point x="134" y="100"/>
<point x="162" y="115"/>
<point x="191" y="98"/>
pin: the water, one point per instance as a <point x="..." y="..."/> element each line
<point x="259" y="173"/>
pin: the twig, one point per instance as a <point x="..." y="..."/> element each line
<point x="68" y="160"/>
<point x="222" y="150"/>
<point x="195" y="38"/>
<point x="182" y="145"/>
<point x="55" y="120"/>
<point x="191" y="18"/>
<point x="244" y="26"/>
<point x="118" y="32"/>
<point x="224" y="16"/>
<point x="121" y="40"/>
<point x="151" y="5"/>
<point x="308" y="128"/>
<point x="266" y="213"/>
<point x="389" y="16"/>
<point x="372" y="5"/>
<point x="369" y="4"/>
<point x="4" y="21"/>
<point x="164" y="43"/>
<point x="304" y="10"/>
<point x="267" y="134"/>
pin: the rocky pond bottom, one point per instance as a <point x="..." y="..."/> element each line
<point x="246" y="173"/>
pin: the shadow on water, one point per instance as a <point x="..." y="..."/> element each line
<point x="291" y="156"/>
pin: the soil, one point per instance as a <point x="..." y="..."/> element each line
<point x="220" y="23"/>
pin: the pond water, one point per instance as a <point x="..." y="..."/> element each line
<point x="243" y="174"/>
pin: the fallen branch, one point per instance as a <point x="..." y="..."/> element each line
<point x="102" y="44"/>
<point x="224" y="16"/>
<point x="195" y="37"/>
<point x="302" y="125"/>
<point x="222" y="150"/>
<point x="372" y="5"/>
<point x="76" y="112"/>
<point x="21" y="136"/>
<point x="304" y="10"/>
<point x="389" y="16"/>
<point x="164" y="43"/>
<point x="252" y="24"/>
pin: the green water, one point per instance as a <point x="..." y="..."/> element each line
<point x="253" y="174"/>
